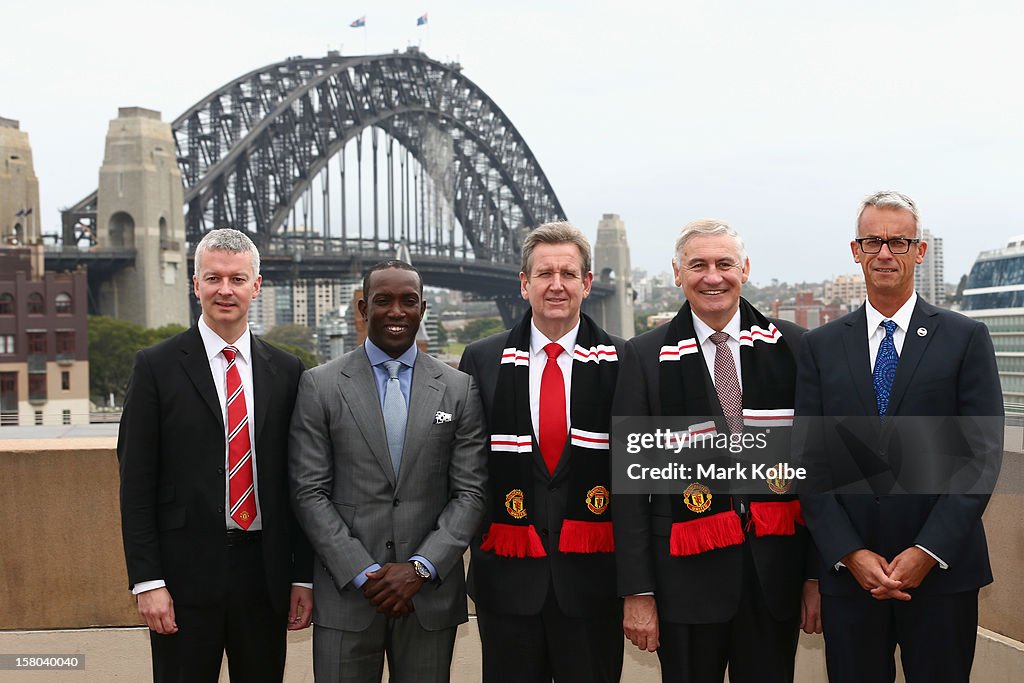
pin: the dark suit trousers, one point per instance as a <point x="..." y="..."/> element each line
<point x="936" y="635"/>
<point x="548" y="646"/>
<point x="756" y="647"/>
<point x="245" y="626"/>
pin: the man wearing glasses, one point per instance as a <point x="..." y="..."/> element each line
<point x="898" y="569"/>
<point x="713" y="580"/>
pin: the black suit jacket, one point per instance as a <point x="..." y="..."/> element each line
<point x="704" y="588"/>
<point x="171" y="452"/>
<point x="948" y="371"/>
<point x="584" y="584"/>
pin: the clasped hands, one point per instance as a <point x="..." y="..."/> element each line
<point x="391" y="588"/>
<point x="888" y="580"/>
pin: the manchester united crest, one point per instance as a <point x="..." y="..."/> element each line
<point x="598" y="499"/>
<point x="778" y="483"/>
<point x="514" y="504"/>
<point x="697" y="497"/>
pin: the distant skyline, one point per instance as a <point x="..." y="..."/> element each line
<point x="776" y="118"/>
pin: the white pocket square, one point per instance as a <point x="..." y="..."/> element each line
<point x="440" y="417"/>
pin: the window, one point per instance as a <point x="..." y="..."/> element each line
<point x="6" y="304"/>
<point x="62" y="304"/>
<point x="65" y="342"/>
<point x="37" y="387"/>
<point x="65" y="381"/>
<point x="36" y="342"/>
<point x="6" y="343"/>
<point x="39" y="417"/>
<point x="66" y="416"/>
<point x="35" y="304"/>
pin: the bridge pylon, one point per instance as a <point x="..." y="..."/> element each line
<point x="19" y="187"/>
<point x="612" y="267"/>
<point x="140" y="207"/>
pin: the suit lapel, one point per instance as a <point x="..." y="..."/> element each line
<point x="424" y="398"/>
<point x="197" y="367"/>
<point x="855" y="341"/>
<point x="358" y="387"/>
<point x="914" y="345"/>
<point x="263" y="370"/>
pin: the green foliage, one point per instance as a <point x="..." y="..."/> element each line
<point x="292" y="335"/>
<point x="479" y="328"/>
<point x="112" y="347"/>
<point x="442" y="335"/>
<point x="308" y="359"/>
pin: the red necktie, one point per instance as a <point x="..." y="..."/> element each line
<point x="241" y="495"/>
<point x="552" y="409"/>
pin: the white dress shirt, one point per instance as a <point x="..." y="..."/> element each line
<point x="539" y="359"/>
<point x="708" y="348"/>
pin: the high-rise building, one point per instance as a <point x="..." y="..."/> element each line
<point x="847" y="290"/>
<point x="929" y="276"/>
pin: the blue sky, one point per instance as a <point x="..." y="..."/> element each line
<point x="777" y="117"/>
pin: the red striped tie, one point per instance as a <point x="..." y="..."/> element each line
<point x="241" y="495"/>
<point x="552" y="409"/>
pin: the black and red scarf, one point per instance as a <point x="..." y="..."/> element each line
<point x="702" y="520"/>
<point x="587" y="525"/>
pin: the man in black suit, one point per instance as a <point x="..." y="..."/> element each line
<point x="543" y="576"/>
<point x="214" y="555"/>
<point x="899" y="569"/>
<point x="713" y="580"/>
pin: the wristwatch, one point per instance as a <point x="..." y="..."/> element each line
<point x="420" y="569"/>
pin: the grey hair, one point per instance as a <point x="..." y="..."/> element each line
<point x="888" y="199"/>
<point x="229" y="239"/>
<point x="560" y="232"/>
<point x="706" y="227"/>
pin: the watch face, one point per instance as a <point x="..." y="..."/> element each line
<point x="421" y="570"/>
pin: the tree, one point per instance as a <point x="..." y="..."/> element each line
<point x="308" y="359"/>
<point x="479" y="328"/>
<point x="292" y="335"/>
<point x="112" y="348"/>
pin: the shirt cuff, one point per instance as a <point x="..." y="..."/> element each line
<point x="636" y="595"/>
<point x="427" y="564"/>
<point x="360" y="578"/>
<point x="145" y="586"/>
<point x="303" y="585"/>
<point x="942" y="565"/>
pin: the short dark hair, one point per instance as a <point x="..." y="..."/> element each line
<point x="385" y="265"/>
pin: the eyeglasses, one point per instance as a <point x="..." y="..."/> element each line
<point x="873" y="245"/>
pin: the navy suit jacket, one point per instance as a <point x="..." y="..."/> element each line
<point x="949" y="370"/>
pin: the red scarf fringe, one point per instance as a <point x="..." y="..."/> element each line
<point x="706" y="533"/>
<point x="586" y="537"/>
<point x="775" y="519"/>
<point x="509" y="540"/>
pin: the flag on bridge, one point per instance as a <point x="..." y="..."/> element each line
<point x="358" y="23"/>
<point x="420" y="21"/>
<point x="28" y="211"/>
<point x="20" y="213"/>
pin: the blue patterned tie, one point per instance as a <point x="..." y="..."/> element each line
<point x="885" y="367"/>
<point x="395" y="413"/>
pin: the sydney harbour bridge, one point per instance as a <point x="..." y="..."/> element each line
<point x="333" y="163"/>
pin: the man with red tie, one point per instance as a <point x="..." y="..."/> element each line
<point x="214" y="556"/>
<point x="543" y="572"/>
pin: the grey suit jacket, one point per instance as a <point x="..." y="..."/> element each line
<point x="352" y="509"/>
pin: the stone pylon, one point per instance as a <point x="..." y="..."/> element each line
<point x="612" y="267"/>
<point x="140" y="207"/>
<point x="19" y="188"/>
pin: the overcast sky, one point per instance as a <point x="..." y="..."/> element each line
<point x="776" y="117"/>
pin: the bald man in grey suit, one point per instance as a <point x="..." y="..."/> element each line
<point x="389" y="532"/>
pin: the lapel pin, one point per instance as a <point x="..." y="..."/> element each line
<point x="921" y="332"/>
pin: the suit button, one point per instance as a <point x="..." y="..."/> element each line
<point x="395" y="502"/>
<point x="389" y="545"/>
<point x="877" y="500"/>
<point x="552" y="487"/>
<point x="220" y="470"/>
<point x="220" y="508"/>
<point x="544" y="533"/>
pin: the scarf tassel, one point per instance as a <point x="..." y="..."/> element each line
<point x="708" y="533"/>
<point x="586" y="537"/>
<point x="775" y="519"/>
<point x="509" y="540"/>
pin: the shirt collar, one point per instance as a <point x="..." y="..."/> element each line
<point x="215" y="345"/>
<point x="901" y="318"/>
<point x="376" y="356"/>
<point x="703" y="330"/>
<point x="538" y="341"/>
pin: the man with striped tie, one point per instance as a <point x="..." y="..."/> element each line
<point x="215" y="558"/>
<point x="543" y="572"/>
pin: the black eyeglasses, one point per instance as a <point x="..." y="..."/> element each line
<point x="873" y="245"/>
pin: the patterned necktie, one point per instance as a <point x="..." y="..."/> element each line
<point x="551" y="421"/>
<point x="885" y="367"/>
<point x="727" y="384"/>
<point x="396" y="414"/>
<point x="241" y="493"/>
